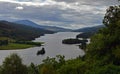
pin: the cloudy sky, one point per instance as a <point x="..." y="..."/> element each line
<point x="72" y="14"/>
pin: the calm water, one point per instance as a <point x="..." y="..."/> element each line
<point x="53" y="46"/>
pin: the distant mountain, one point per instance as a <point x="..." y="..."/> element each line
<point x="51" y="28"/>
<point x="89" y="29"/>
<point x="20" y="32"/>
<point x="27" y="22"/>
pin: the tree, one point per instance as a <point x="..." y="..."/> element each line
<point x="13" y="65"/>
<point x="112" y="17"/>
<point x="105" y="45"/>
<point x="33" y="69"/>
<point x="47" y="69"/>
<point x="3" y="42"/>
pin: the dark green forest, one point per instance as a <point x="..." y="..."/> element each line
<point x="102" y="54"/>
<point x="20" y="32"/>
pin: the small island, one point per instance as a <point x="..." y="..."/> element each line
<point x="73" y="41"/>
<point x="41" y="52"/>
<point x="82" y="42"/>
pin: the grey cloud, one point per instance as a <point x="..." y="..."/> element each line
<point x="92" y="2"/>
<point x="29" y="0"/>
<point x="74" y="16"/>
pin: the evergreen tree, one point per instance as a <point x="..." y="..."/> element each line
<point x="13" y="65"/>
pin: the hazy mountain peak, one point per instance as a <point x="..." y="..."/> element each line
<point x="51" y="28"/>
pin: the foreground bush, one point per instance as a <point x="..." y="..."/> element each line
<point x="13" y="65"/>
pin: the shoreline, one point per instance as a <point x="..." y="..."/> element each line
<point x="17" y="46"/>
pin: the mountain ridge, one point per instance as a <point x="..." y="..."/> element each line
<point x="89" y="29"/>
<point x="51" y="28"/>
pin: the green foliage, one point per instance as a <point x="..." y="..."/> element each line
<point x="3" y="42"/>
<point x="58" y="65"/>
<point x="55" y="62"/>
<point x="32" y="69"/>
<point x="51" y="65"/>
<point x="47" y="69"/>
<point x="13" y="65"/>
<point x="112" y="16"/>
<point x="83" y="46"/>
<point x="75" y="66"/>
<point x="107" y="40"/>
<point x="106" y="69"/>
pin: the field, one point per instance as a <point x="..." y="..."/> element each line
<point x="13" y="46"/>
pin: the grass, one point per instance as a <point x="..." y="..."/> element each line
<point x="7" y="38"/>
<point x="14" y="46"/>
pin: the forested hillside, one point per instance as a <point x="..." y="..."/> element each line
<point x="20" y="32"/>
<point x="90" y="29"/>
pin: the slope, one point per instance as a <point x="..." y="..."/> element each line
<point x="20" y="32"/>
